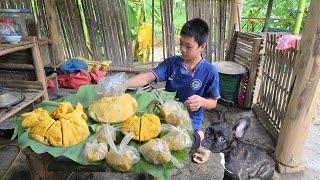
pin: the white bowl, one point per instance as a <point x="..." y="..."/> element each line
<point x="13" y="39"/>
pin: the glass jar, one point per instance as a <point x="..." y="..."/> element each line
<point x="6" y="26"/>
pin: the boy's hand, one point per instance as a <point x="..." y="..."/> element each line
<point x="194" y="102"/>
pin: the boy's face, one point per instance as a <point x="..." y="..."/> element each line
<point x="190" y="49"/>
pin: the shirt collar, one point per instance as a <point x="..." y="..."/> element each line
<point x="185" y="67"/>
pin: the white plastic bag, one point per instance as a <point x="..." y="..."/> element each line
<point x="113" y="85"/>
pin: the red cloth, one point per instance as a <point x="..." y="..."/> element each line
<point x="74" y="80"/>
<point x="287" y="41"/>
<point x="50" y="84"/>
<point x="96" y="75"/>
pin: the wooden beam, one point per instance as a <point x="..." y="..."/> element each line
<point x="7" y="50"/>
<point x="128" y="69"/>
<point x="22" y="84"/>
<point x="294" y="128"/>
<point x="56" y="47"/>
<point x="14" y="66"/>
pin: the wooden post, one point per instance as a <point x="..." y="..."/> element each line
<point x="38" y="164"/>
<point x="235" y="18"/>
<point x="38" y="65"/>
<point x="56" y="45"/>
<point x="294" y="128"/>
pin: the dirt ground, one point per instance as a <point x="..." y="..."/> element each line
<point x="211" y="170"/>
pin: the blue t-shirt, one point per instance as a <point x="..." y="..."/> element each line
<point x="202" y="81"/>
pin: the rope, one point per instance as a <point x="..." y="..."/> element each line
<point x="16" y="157"/>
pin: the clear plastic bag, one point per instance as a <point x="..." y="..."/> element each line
<point x="94" y="151"/>
<point x="176" y="114"/>
<point x="113" y="85"/>
<point x="103" y="131"/>
<point x="177" y="138"/>
<point x="156" y="151"/>
<point x="123" y="157"/>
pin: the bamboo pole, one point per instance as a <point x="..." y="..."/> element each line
<point x="235" y="18"/>
<point x="297" y="24"/>
<point x="302" y="103"/>
<point x="58" y="56"/>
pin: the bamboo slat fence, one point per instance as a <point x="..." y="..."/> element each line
<point x="278" y="77"/>
<point x="245" y="49"/>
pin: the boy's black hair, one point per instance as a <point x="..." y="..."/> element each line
<point x="196" y="28"/>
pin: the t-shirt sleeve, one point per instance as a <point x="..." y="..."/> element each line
<point x="213" y="88"/>
<point x="161" y="71"/>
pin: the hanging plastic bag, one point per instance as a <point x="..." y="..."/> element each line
<point x="94" y="151"/>
<point x="177" y="138"/>
<point x="123" y="157"/>
<point x="156" y="151"/>
<point x="113" y="85"/>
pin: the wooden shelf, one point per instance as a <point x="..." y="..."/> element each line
<point x="31" y="95"/>
<point x="9" y="48"/>
<point x="33" y="90"/>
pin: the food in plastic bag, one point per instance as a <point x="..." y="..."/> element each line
<point x="113" y="85"/>
<point x="123" y="160"/>
<point x="94" y="151"/>
<point x="123" y="157"/>
<point x="103" y="131"/>
<point x="143" y="128"/>
<point x="155" y="151"/>
<point x="177" y="138"/>
<point x="113" y="109"/>
<point x="175" y="113"/>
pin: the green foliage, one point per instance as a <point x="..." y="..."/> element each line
<point x="179" y="15"/>
<point x="282" y="16"/>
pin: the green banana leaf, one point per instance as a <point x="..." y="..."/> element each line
<point x="86" y="95"/>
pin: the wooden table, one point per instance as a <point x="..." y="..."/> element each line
<point x="45" y="166"/>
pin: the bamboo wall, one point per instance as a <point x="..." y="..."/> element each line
<point x="108" y="31"/>
<point x="216" y="14"/>
<point x="278" y="77"/>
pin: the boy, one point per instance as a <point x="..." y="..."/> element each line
<point x="194" y="79"/>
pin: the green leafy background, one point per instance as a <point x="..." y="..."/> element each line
<point x="147" y="102"/>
